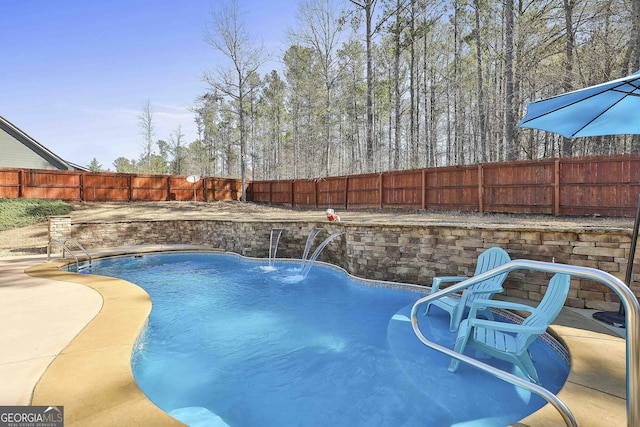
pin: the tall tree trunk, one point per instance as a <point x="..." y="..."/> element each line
<point x="412" y="92"/>
<point x="369" y="6"/>
<point x="509" y="122"/>
<point x="567" y="144"/>
<point x="452" y="152"/>
<point x="396" y="90"/>
<point x="243" y="148"/>
<point x="482" y="116"/>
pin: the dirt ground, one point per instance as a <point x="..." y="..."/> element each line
<point x="34" y="239"/>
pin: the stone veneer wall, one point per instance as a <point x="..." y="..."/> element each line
<point x="59" y="228"/>
<point x="411" y="253"/>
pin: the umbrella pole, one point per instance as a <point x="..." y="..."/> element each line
<point x="618" y="318"/>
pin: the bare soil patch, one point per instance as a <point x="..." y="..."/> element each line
<point x="34" y="239"/>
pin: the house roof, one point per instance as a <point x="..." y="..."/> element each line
<point x="33" y="145"/>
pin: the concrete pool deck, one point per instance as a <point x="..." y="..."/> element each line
<point x="67" y="340"/>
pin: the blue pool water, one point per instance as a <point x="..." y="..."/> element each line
<point x="231" y="343"/>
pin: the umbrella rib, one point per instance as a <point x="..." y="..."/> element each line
<point x="568" y="105"/>
<point x="610" y="107"/>
<point x="628" y="93"/>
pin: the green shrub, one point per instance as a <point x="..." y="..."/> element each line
<point x="16" y="213"/>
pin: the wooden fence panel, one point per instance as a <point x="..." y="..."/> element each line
<point x="363" y="191"/>
<point x="282" y="193"/>
<point x="452" y="188"/>
<point x="10" y="184"/>
<point x="149" y="188"/>
<point x="41" y="184"/>
<point x="600" y="186"/>
<point x="224" y="189"/>
<point x="102" y="187"/>
<point x="403" y="189"/>
<point x="305" y="193"/>
<point x="261" y="191"/>
<point x="518" y="187"/>
<point x="182" y="190"/>
<point x="332" y="192"/>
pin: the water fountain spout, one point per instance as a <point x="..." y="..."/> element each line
<point x="309" y="263"/>
<point x="273" y="243"/>
<point x="307" y="246"/>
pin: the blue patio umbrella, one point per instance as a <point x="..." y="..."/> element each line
<point x="611" y="108"/>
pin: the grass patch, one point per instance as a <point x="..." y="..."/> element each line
<point x="16" y="213"/>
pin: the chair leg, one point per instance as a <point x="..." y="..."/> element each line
<point x="426" y="311"/>
<point x="456" y="318"/>
<point x="461" y="343"/>
<point x="526" y="365"/>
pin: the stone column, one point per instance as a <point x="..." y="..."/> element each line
<point x="59" y="228"/>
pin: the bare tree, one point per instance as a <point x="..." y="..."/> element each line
<point x="176" y="143"/>
<point x="245" y="55"/>
<point x="145" y="123"/>
<point x="321" y="30"/>
<point x="368" y="6"/>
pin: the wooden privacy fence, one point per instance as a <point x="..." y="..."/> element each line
<point x="112" y="187"/>
<point x="607" y="186"/>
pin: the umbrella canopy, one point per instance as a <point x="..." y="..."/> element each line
<point x="611" y="108"/>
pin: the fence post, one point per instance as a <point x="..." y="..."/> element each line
<point x="292" y="182"/>
<point x="82" y="198"/>
<point x="129" y="188"/>
<point x="480" y="188"/>
<point x="556" y="188"/>
<point x="315" y="192"/>
<point x="270" y="192"/>
<point x="346" y="193"/>
<point x="20" y="183"/>
<point x="423" y="204"/>
<point x="380" y="190"/>
<point x="214" y="188"/>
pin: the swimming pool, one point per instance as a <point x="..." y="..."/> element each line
<point x="236" y="345"/>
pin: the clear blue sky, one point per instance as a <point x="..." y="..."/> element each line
<point x="75" y="74"/>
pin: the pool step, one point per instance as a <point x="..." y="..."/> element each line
<point x="197" y="416"/>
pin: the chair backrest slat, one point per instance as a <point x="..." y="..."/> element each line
<point x="488" y="260"/>
<point x="548" y="309"/>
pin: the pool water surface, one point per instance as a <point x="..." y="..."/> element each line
<point x="232" y="343"/>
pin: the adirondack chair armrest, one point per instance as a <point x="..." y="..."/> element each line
<point x="488" y="290"/>
<point x="506" y="305"/>
<point x="482" y="303"/>
<point x="435" y="285"/>
<point x="506" y="327"/>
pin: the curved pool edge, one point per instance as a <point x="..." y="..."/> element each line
<point x="92" y="376"/>
<point x="595" y="390"/>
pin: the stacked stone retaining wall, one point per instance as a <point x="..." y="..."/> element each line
<point x="411" y="253"/>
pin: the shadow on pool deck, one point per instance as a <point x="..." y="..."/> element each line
<point x="71" y="345"/>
